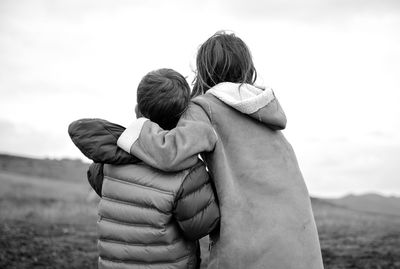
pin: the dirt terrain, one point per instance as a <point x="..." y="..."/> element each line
<point x="352" y="239"/>
<point x="47" y="223"/>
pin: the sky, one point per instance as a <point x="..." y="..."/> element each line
<point x="334" y="65"/>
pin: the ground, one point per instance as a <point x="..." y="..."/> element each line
<point x="50" y="223"/>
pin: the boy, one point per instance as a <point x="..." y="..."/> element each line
<point x="148" y="218"/>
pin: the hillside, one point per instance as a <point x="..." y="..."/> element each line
<point x="63" y="169"/>
<point x="75" y="170"/>
<point x="371" y="202"/>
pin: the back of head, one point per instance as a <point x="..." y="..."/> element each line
<point x="223" y="58"/>
<point x="163" y="96"/>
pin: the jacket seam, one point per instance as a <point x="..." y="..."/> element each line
<point x="139" y="244"/>
<point x="140" y="262"/>
<point x="108" y="130"/>
<point x="208" y="113"/>
<point x="139" y="185"/>
<point x="102" y="218"/>
<point x="132" y="204"/>
<point x="196" y="190"/>
<point x="198" y="212"/>
<point x="211" y="116"/>
<point x="209" y="231"/>
<point x="188" y="175"/>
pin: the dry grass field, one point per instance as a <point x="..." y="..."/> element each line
<point x="46" y="223"/>
<point x="49" y="223"/>
<point x="352" y="239"/>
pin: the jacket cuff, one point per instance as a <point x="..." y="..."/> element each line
<point x="131" y="134"/>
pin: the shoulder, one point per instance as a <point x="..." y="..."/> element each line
<point x="201" y="106"/>
<point x="208" y="102"/>
<point x="115" y="170"/>
<point x="203" y="100"/>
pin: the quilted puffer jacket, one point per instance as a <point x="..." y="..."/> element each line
<point x="148" y="218"/>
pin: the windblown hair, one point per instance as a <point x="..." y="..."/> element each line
<point x="223" y="58"/>
<point x="163" y="96"/>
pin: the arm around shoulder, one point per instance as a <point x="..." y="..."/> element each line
<point x="196" y="208"/>
<point x="172" y="150"/>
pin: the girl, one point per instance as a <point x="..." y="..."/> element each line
<point x="266" y="215"/>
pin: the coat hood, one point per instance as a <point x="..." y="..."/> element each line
<point x="257" y="102"/>
<point x="97" y="140"/>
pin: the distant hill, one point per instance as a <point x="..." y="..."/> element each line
<point x="75" y="170"/>
<point x="63" y="169"/>
<point x="371" y="202"/>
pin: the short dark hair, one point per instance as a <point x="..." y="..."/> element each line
<point x="223" y="57"/>
<point x="163" y="96"/>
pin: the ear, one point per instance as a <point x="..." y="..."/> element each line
<point x="138" y="114"/>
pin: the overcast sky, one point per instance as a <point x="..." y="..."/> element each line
<point x="334" y="65"/>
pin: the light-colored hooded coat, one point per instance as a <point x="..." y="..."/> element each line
<point x="266" y="215"/>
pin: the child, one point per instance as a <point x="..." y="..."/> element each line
<point x="266" y="215"/>
<point x="148" y="218"/>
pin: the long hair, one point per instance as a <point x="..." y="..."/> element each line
<point x="223" y="58"/>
